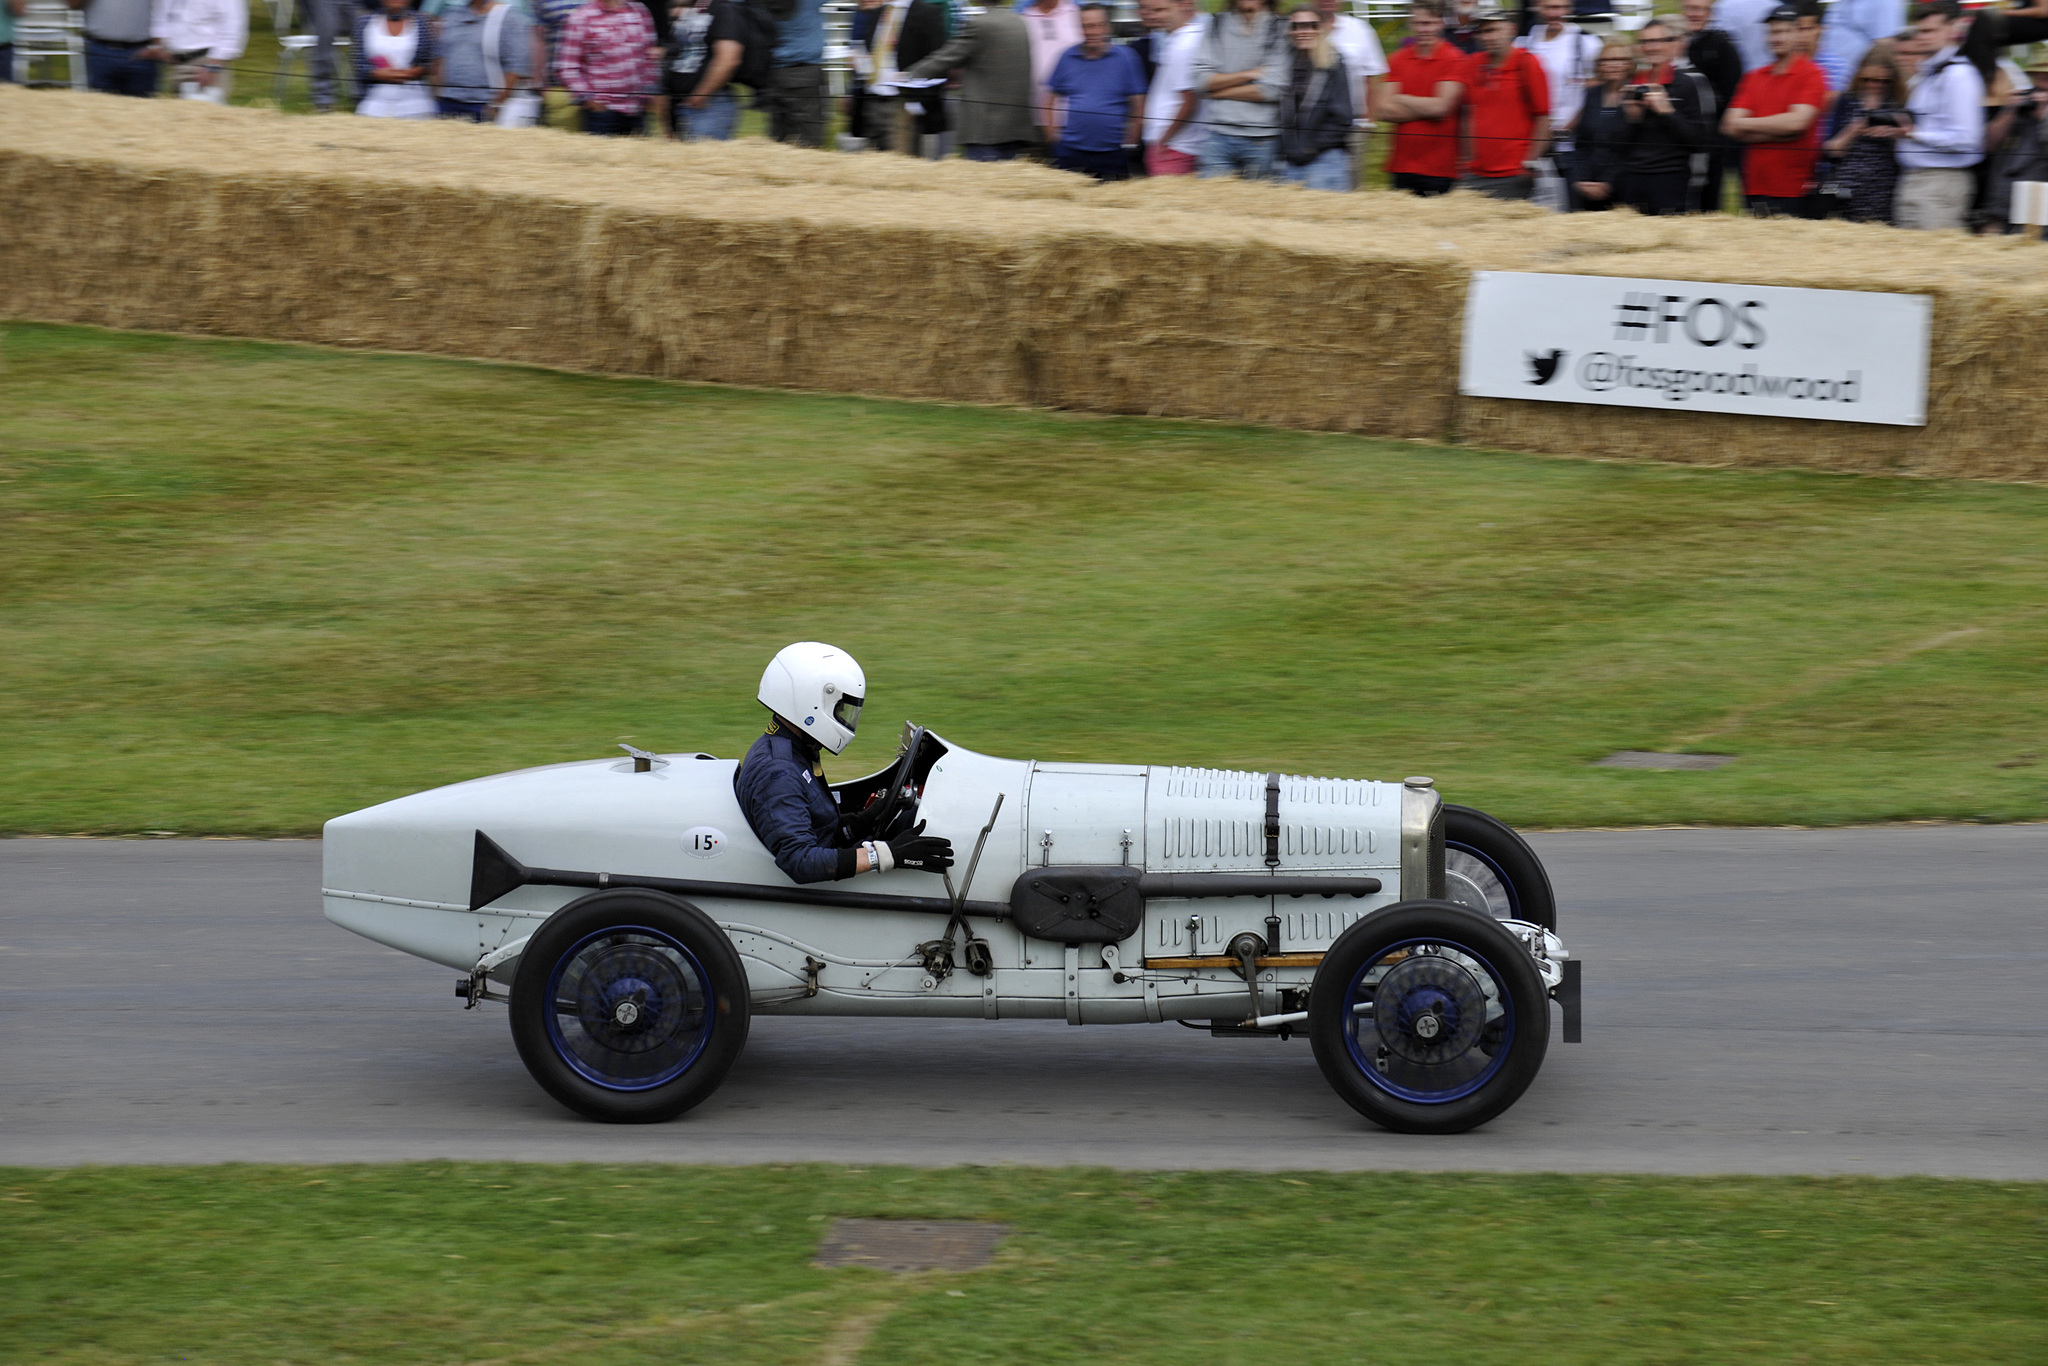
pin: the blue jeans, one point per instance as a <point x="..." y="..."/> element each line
<point x="995" y="151"/>
<point x="717" y="120"/>
<point x="463" y="109"/>
<point x="118" y="71"/>
<point x="1331" y="170"/>
<point x="333" y="20"/>
<point x="6" y="63"/>
<point x="1229" y="154"/>
<point x="610" y="123"/>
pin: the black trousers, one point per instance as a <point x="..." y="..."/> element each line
<point x="1424" y="185"/>
<point x="1726" y="156"/>
<point x="1773" y="206"/>
<point x="1656" y="192"/>
<point x="795" y="98"/>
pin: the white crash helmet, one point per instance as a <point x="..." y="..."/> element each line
<point x="817" y="691"/>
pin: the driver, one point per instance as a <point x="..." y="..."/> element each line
<point x="813" y="694"/>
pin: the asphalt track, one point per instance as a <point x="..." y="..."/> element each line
<point x="1756" y="1001"/>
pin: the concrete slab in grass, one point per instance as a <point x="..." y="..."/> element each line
<point x="910" y="1244"/>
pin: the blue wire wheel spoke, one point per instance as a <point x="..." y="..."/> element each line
<point x="631" y="1010"/>
<point x="1473" y="879"/>
<point x="1429" y="1022"/>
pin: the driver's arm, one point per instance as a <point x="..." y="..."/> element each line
<point x="772" y="796"/>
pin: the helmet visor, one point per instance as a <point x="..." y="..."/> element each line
<point x="847" y="713"/>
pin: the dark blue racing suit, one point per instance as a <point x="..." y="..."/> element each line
<point x="781" y="787"/>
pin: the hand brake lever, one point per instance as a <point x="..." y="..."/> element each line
<point x="959" y="896"/>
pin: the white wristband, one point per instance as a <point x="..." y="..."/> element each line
<point x="879" y="858"/>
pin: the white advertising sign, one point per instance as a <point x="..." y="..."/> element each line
<point x="1687" y="345"/>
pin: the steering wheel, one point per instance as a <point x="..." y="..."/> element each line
<point x="896" y="796"/>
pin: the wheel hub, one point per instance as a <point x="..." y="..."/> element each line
<point x="1429" y="1009"/>
<point x="627" y="1002"/>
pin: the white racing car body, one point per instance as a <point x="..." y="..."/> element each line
<point x="634" y="922"/>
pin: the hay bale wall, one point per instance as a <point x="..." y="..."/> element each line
<point x="756" y="264"/>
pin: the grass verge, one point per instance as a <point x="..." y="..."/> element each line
<point x="502" y="1263"/>
<point x="245" y="587"/>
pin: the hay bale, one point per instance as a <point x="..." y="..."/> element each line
<point x="758" y="264"/>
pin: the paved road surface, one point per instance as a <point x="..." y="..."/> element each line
<point x="1756" y="1001"/>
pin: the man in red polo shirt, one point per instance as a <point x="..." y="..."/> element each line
<point x="1507" y="113"/>
<point x="1425" y="79"/>
<point x="1776" y="114"/>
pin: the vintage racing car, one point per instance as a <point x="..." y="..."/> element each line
<point x="634" y="923"/>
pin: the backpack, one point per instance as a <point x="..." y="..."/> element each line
<point x="759" y="33"/>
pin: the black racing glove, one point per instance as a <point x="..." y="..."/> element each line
<point x="921" y="852"/>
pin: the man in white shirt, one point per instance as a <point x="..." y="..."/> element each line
<point x="1744" y="21"/>
<point x="1366" y="62"/>
<point x="1359" y="46"/>
<point x="201" y="37"/>
<point x="1944" y="135"/>
<point x="1568" y="54"/>
<point x="1173" y="106"/>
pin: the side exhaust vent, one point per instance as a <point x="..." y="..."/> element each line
<point x="493" y="872"/>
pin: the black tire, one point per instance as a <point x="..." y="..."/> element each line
<point x="1431" y="958"/>
<point x="657" y="1006"/>
<point x="1489" y="867"/>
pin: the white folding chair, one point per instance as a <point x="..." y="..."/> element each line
<point x="50" y="28"/>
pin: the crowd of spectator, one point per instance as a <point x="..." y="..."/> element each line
<point x="1856" y="109"/>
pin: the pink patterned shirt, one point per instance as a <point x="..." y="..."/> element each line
<point x="602" y="57"/>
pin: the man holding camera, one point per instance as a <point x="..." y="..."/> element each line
<point x="1942" y="132"/>
<point x="1671" y="115"/>
<point x="1776" y="116"/>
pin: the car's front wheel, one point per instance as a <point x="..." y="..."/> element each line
<point x="629" y="1006"/>
<point x="1428" y="1017"/>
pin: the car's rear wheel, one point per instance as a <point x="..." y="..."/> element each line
<point x="629" y="1006"/>
<point x="1428" y="1017"/>
<point x="1490" y="868"/>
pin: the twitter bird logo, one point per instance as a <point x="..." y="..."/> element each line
<point x="1544" y="368"/>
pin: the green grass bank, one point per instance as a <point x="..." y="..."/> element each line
<point x="245" y="587"/>
<point x="537" y="1264"/>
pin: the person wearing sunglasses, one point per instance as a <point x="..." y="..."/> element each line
<point x="1671" y="117"/>
<point x="1863" y="169"/>
<point x="1315" y="109"/>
